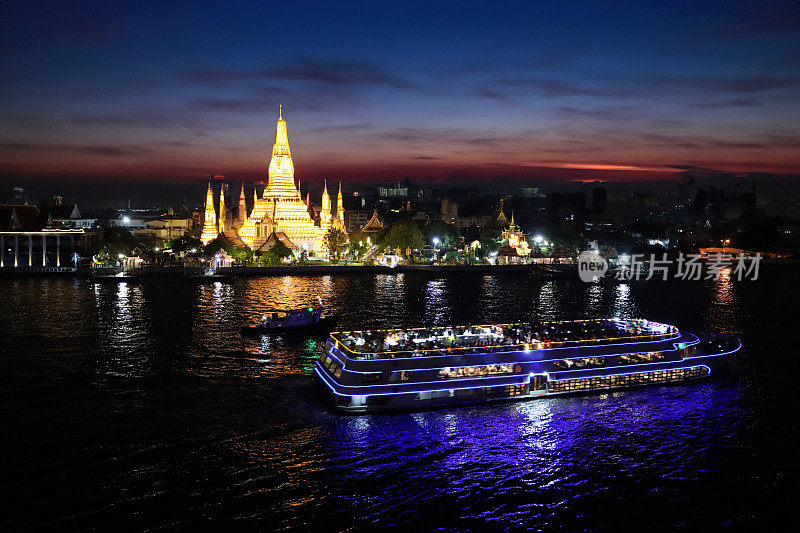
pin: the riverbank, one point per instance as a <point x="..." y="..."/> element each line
<point x="287" y="270"/>
<point x="564" y="271"/>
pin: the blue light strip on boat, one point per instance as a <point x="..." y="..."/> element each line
<point x="631" y="373"/>
<point x="647" y="364"/>
<point x="342" y="357"/>
<point x="344" y="368"/>
<point x="667" y="338"/>
<point x="327" y="381"/>
<point x="330" y="385"/>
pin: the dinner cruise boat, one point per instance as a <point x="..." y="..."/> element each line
<point x="362" y="371"/>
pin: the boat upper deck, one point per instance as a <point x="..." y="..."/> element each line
<point x="469" y="339"/>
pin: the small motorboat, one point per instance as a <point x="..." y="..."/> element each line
<point x="293" y="322"/>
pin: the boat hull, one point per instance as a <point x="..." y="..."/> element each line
<point x="323" y="325"/>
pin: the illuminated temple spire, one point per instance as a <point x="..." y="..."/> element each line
<point x="340" y="204"/>
<point x="281" y="168"/>
<point x="281" y="207"/>
<point x="210" y="230"/>
<point x="326" y="200"/>
<point x="241" y="214"/>
<point x="223" y="213"/>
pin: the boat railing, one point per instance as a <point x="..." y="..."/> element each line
<point x="672" y="332"/>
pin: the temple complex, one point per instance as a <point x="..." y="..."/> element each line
<point x="280" y="210"/>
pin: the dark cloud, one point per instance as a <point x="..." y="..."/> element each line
<point x="491" y="94"/>
<point x="108" y="150"/>
<point x="717" y="84"/>
<point x="342" y="127"/>
<point x="738" y="102"/>
<point x="610" y="113"/>
<point x="433" y="135"/>
<point x="137" y="118"/>
<point x="638" y="86"/>
<point x="341" y="73"/>
<point x="710" y="143"/>
<point x="114" y="151"/>
<point x="553" y="88"/>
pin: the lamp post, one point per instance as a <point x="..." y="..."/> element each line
<point x="435" y="254"/>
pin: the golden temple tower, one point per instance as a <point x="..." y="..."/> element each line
<point x="280" y="208"/>
<point x="340" y="205"/>
<point x="223" y="214"/>
<point x="210" y="228"/>
<point x="241" y="214"/>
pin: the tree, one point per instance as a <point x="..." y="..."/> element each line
<point x="185" y="243"/>
<point x="242" y="254"/>
<point x="448" y="235"/>
<point x="276" y="253"/>
<point x="491" y="240"/>
<point x="356" y="245"/>
<point x="118" y="240"/>
<point x="334" y="242"/>
<point x="405" y="235"/>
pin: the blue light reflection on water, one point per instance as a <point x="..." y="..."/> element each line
<point x="513" y="459"/>
<point x="146" y="399"/>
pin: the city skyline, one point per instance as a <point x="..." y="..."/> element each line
<point x="113" y="92"/>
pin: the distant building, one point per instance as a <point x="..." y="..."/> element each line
<point x="373" y="225"/>
<point x="355" y="219"/>
<point x="29" y="240"/>
<point x="449" y="211"/>
<point x="530" y="192"/>
<point x="165" y="228"/>
<point x="516" y="239"/>
<point x="127" y="221"/>
<point x="66" y="216"/>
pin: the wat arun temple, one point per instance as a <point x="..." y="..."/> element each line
<point x="279" y="214"/>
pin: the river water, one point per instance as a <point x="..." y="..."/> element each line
<point x="140" y="406"/>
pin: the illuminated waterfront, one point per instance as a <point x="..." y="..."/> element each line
<point x="144" y="401"/>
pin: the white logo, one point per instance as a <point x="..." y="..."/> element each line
<point x="591" y="266"/>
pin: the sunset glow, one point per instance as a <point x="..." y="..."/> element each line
<point x="119" y="91"/>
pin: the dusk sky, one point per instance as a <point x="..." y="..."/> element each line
<point x="562" y="90"/>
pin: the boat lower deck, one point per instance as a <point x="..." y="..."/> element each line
<point x="526" y="391"/>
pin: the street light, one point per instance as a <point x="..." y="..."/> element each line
<point x="538" y="239"/>
<point x="126" y="219"/>
<point x="435" y="242"/>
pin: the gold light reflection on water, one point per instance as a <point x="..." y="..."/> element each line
<point x="436" y="308"/>
<point x="724" y="300"/>
<point x="723" y="288"/>
<point x="290" y="458"/>
<point x="259" y="295"/>
<point x="622" y="301"/>
<point x="548" y="305"/>
<point x="223" y="308"/>
<point x="119" y="311"/>
<point x="594" y="299"/>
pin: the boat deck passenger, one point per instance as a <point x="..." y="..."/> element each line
<point x="425" y="342"/>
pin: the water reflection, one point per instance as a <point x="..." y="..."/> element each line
<point x="122" y="324"/>
<point x="155" y="383"/>
<point x="436" y="302"/>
